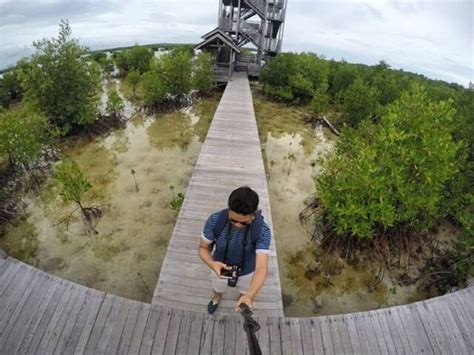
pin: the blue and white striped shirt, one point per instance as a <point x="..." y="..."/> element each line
<point x="235" y="248"/>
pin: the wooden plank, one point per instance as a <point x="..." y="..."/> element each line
<point x="57" y="330"/>
<point x="230" y="336"/>
<point x="183" y="333"/>
<point x="219" y="335"/>
<point x="193" y="282"/>
<point x="161" y="332"/>
<point x="326" y="335"/>
<point x="7" y="275"/>
<point x="285" y="333"/>
<point x="335" y="336"/>
<point x="241" y="341"/>
<point x="99" y="324"/>
<point x="380" y="321"/>
<point x="450" y="327"/>
<point x="138" y="329"/>
<point x="150" y="330"/>
<point x="4" y="263"/>
<point x="55" y="325"/>
<point x="206" y="335"/>
<point x="50" y="327"/>
<point x="397" y="331"/>
<point x="296" y="341"/>
<point x="84" y="322"/>
<point x="13" y="310"/>
<point x="306" y="337"/>
<point x="343" y="330"/>
<point x="201" y="302"/>
<point x="66" y="324"/>
<point x="374" y="336"/>
<point x="463" y="306"/>
<point x="206" y="291"/>
<point x="13" y="338"/>
<point x="356" y="345"/>
<point x="116" y="327"/>
<point x="263" y="334"/>
<point x="377" y="332"/>
<point x="363" y="334"/>
<point x="275" y="336"/>
<point x="196" y="328"/>
<point x="439" y="340"/>
<point x="415" y="329"/>
<point x="462" y="318"/>
<point x="173" y="331"/>
<point x="466" y="296"/>
<point x="22" y="281"/>
<point x="36" y="328"/>
<point x="123" y="345"/>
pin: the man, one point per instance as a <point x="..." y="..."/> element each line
<point x="241" y="238"/>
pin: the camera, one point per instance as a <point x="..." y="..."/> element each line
<point x="232" y="274"/>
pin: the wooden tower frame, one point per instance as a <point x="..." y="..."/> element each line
<point x="258" y="22"/>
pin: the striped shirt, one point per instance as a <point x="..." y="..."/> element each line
<point x="235" y="248"/>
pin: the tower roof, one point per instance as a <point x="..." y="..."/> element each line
<point x="217" y="35"/>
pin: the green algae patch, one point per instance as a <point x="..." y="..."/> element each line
<point x="170" y="130"/>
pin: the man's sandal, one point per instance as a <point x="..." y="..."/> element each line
<point x="211" y="307"/>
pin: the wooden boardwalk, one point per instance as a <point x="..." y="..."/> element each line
<point x="230" y="157"/>
<point x="43" y="314"/>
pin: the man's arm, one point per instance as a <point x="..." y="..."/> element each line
<point x="258" y="279"/>
<point x="206" y="256"/>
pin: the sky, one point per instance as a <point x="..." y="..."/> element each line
<point x="430" y="37"/>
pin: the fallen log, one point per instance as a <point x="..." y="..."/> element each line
<point x="313" y="119"/>
<point x="329" y="124"/>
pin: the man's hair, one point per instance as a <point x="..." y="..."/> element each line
<point x="243" y="200"/>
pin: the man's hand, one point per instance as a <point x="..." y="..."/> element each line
<point x="244" y="299"/>
<point x="217" y="266"/>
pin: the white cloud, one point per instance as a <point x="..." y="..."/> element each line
<point x="433" y="37"/>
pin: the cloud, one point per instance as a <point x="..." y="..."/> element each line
<point x="432" y="37"/>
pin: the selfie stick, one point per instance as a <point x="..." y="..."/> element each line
<point x="250" y="326"/>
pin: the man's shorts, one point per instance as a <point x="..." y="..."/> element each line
<point x="220" y="285"/>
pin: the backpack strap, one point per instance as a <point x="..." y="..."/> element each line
<point x="221" y="222"/>
<point x="255" y="227"/>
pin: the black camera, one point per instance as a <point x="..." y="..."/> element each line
<point x="232" y="274"/>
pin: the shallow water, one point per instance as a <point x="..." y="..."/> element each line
<point x="291" y="151"/>
<point x="125" y="257"/>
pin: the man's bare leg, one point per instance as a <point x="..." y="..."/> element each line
<point x="217" y="297"/>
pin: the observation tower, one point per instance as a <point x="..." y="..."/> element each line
<point x="259" y="23"/>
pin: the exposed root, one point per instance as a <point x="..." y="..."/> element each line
<point x="395" y="251"/>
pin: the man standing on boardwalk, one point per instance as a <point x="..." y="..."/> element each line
<point x="239" y="239"/>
